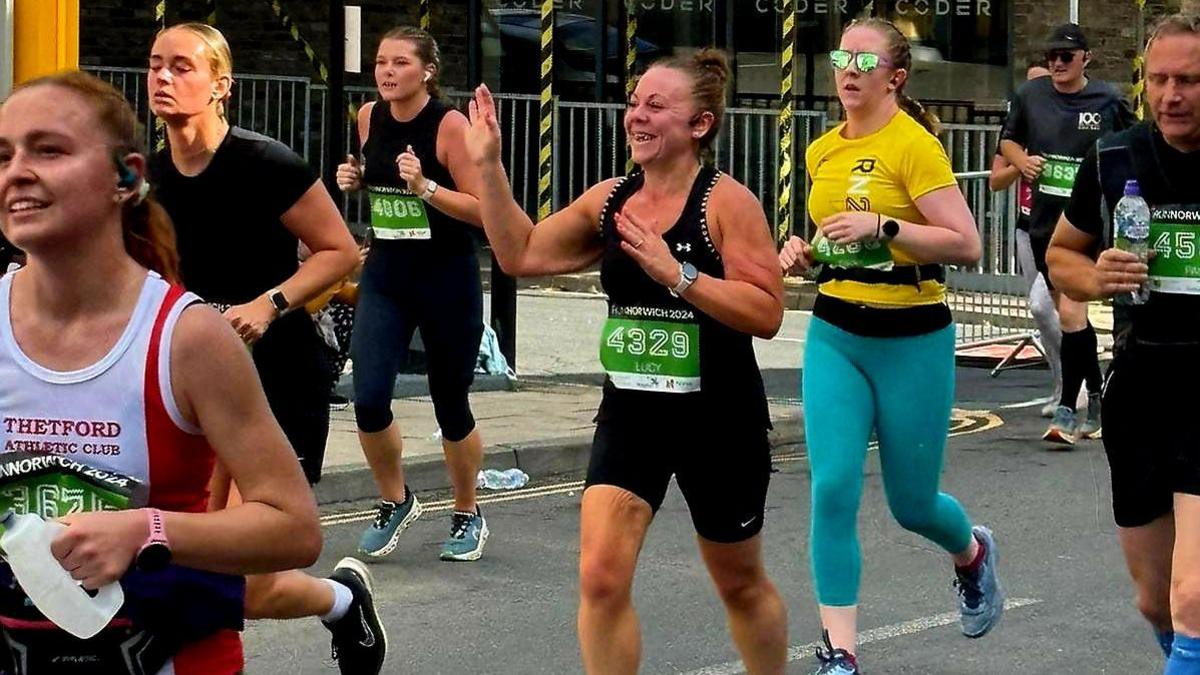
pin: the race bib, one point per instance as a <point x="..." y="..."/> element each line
<point x="650" y="349"/>
<point x="398" y="214"/>
<point x="1175" y="238"/>
<point x="862" y="254"/>
<point x="53" y="486"/>
<point x="1058" y="175"/>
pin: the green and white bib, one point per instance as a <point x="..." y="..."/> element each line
<point x="652" y="349"/>
<point x="397" y="213"/>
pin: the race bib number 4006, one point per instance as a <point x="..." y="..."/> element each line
<point x="398" y="214"/>
<point x="651" y="354"/>
<point x="1175" y="238"/>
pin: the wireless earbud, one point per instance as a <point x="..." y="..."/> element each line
<point x="127" y="178"/>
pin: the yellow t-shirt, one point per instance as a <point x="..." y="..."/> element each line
<point x="885" y="172"/>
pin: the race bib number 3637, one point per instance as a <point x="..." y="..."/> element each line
<point x="1058" y="175"/>
<point x="651" y="355"/>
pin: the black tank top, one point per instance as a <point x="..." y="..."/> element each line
<point x="391" y="201"/>
<point x="647" y="321"/>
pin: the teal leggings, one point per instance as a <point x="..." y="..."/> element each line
<point x="903" y="389"/>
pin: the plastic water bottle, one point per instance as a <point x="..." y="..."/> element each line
<point x="509" y="479"/>
<point x="1132" y="218"/>
<point x="26" y="543"/>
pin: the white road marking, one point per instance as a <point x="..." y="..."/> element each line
<point x="874" y="635"/>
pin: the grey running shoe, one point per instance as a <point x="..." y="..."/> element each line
<point x="391" y="518"/>
<point x="1062" y="428"/>
<point x="1091" y="426"/>
<point x="834" y="661"/>
<point x="980" y="596"/>
<point x="468" y="534"/>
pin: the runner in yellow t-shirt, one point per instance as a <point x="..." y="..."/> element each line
<point x="880" y="350"/>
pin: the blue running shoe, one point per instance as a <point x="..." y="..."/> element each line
<point x="468" y="534"/>
<point x="980" y="596"/>
<point x="379" y="539"/>
<point x="1062" y="427"/>
<point x="835" y="661"/>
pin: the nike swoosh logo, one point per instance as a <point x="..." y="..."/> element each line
<point x="369" y="640"/>
<point x="747" y="523"/>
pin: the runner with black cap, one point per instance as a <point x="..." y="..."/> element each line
<point x="1052" y="124"/>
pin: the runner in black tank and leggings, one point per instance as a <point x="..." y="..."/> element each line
<point x="689" y="267"/>
<point x="422" y="272"/>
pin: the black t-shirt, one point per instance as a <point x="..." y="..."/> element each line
<point x="1060" y="127"/>
<point x="1166" y="178"/>
<point x="232" y="244"/>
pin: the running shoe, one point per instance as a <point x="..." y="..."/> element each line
<point x="834" y="661"/>
<point x="391" y="518"/>
<point x="1091" y="426"/>
<point x="468" y="534"/>
<point x="1062" y="428"/>
<point x="359" y="642"/>
<point x="980" y="596"/>
<point x="1050" y="407"/>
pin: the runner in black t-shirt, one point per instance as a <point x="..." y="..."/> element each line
<point x="1052" y="124"/>
<point x="1150" y="386"/>
<point x="241" y="204"/>
<point x="1041" y="305"/>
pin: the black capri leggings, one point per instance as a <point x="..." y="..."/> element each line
<point x="405" y="287"/>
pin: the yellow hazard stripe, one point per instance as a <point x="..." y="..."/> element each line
<point x="783" y="196"/>
<point x="631" y="28"/>
<point x="546" y="130"/>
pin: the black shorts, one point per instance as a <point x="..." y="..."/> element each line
<point x="1040" y="245"/>
<point x="722" y="469"/>
<point x="1150" y="456"/>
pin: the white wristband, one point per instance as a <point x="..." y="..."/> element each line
<point x="430" y="188"/>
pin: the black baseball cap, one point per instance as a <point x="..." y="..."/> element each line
<point x="1068" y="36"/>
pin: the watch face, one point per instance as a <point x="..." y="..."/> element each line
<point x="154" y="556"/>
<point x="689" y="271"/>
<point x="279" y="301"/>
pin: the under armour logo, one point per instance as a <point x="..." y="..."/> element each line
<point x="683" y="247"/>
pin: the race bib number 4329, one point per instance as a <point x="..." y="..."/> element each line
<point x="651" y="355"/>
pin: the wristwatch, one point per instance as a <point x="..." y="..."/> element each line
<point x="430" y="188"/>
<point x="156" y="552"/>
<point x="890" y="229"/>
<point x="278" y="300"/>
<point x="687" y="276"/>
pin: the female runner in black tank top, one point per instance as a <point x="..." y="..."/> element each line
<point x="689" y="266"/>
<point x="422" y="272"/>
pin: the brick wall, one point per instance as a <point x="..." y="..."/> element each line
<point x="119" y="33"/>
<point x="1110" y="25"/>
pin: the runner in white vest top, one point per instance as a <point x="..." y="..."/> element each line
<point x="118" y="392"/>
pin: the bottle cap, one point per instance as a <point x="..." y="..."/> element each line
<point x="1132" y="189"/>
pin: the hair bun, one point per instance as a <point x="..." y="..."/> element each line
<point x="714" y="61"/>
